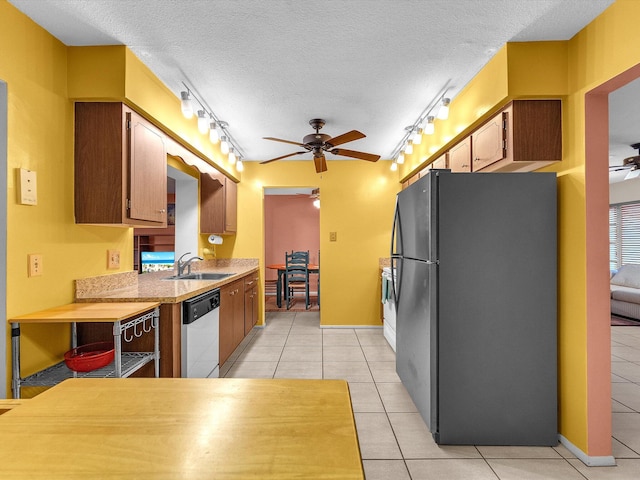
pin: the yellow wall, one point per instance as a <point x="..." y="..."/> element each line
<point x="34" y="66"/>
<point x="357" y="200"/>
<point x="357" y="197"/>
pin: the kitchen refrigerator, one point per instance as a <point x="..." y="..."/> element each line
<point x="476" y="302"/>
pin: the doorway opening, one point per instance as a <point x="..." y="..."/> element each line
<point x="158" y="248"/>
<point x="291" y="223"/>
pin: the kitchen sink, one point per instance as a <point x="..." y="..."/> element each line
<point x="200" y="276"/>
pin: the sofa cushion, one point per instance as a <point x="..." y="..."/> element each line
<point x="625" y="294"/>
<point x="627" y="276"/>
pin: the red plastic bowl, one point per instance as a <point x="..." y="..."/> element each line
<point x="89" y="357"/>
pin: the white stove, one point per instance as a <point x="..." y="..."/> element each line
<point x="389" y="307"/>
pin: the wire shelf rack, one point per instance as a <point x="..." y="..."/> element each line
<point x="131" y="361"/>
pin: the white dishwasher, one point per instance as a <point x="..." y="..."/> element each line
<point x="201" y="336"/>
<point x="389" y="307"/>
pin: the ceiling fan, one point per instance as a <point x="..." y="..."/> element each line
<point x="630" y="163"/>
<point x="318" y="143"/>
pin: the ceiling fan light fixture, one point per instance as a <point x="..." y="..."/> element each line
<point x="203" y="122"/>
<point x="224" y="145"/>
<point x="185" y="104"/>
<point x="443" y="113"/>
<point x="635" y="173"/>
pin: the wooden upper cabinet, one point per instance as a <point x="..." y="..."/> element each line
<point x="441" y="162"/>
<point x="120" y="167"/>
<point x="525" y="136"/>
<point x="489" y="142"/>
<point x="460" y="156"/>
<point x="218" y="204"/>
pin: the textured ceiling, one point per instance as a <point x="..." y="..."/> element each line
<point x="267" y="67"/>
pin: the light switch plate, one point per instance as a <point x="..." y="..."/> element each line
<point x="113" y="259"/>
<point x="28" y="191"/>
<point x="333" y="236"/>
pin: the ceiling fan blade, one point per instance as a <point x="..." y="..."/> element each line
<point x="283" y="156"/>
<point x="369" y="157"/>
<point x="346" y="137"/>
<point x="283" y="141"/>
<point x="320" y="163"/>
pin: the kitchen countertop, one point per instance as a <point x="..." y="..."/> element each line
<point x="153" y="287"/>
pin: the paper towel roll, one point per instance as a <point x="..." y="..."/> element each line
<point x="215" y="239"/>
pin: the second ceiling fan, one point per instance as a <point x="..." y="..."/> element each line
<point x="318" y="143"/>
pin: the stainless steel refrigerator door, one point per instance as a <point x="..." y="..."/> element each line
<point x="416" y="349"/>
<point x="497" y="361"/>
<point x="414" y="220"/>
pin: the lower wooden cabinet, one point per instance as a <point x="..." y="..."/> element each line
<point x="231" y="318"/>
<point x="250" y="302"/>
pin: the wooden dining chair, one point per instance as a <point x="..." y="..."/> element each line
<point x="296" y="276"/>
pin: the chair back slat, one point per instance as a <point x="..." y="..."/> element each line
<point x="296" y="274"/>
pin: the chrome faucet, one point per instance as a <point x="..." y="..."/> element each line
<point x="186" y="264"/>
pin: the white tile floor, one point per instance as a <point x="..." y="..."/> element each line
<point x="394" y="441"/>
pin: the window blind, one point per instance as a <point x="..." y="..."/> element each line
<point x="624" y="234"/>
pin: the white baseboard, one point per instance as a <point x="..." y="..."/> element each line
<point x="589" y="461"/>
<point x="350" y="326"/>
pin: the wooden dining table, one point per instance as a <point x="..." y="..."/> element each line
<point x="281" y="267"/>
<point x="187" y="428"/>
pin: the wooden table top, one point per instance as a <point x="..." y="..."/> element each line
<point x="168" y="428"/>
<point x="87" y="312"/>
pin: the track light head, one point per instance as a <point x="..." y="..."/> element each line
<point x="186" y="105"/>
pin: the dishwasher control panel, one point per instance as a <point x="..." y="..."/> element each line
<point x="196" y="307"/>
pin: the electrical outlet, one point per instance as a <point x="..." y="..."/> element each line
<point x="333" y="236"/>
<point x="34" y="264"/>
<point x="113" y="259"/>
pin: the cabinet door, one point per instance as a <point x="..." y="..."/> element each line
<point x="238" y="314"/>
<point x="488" y="142"/>
<point x="440" y="162"/>
<point x="250" y="303"/>
<point x="227" y="309"/>
<point x="147" y="171"/>
<point x="231" y="206"/>
<point x="218" y="204"/>
<point x="460" y="156"/>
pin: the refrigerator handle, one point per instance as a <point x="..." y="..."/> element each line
<point x="396" y="226"/>
<point x="397" y="269"/>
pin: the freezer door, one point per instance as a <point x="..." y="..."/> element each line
<point x="415" y="219"/>
<point x="416" y="326"/>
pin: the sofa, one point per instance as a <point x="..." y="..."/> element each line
<point x="625" y="291"/>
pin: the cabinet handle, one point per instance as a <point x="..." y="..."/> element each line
<point x="162" y="211"/>
<point x="464" y="165"/>
<point x="476" y="159"/>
